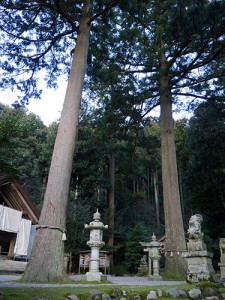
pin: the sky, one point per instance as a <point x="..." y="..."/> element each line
<point x="48" y="108"/>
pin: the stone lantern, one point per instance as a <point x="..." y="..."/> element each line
<point x="153" y="258"/>
<point x="96" y="228"/>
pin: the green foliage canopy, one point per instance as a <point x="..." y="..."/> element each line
<point x="39" y="35"/>
<point x="205" y="177"/>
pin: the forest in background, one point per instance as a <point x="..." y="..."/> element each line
<point x="128" y="58"/>
<point x="26" y="149"/>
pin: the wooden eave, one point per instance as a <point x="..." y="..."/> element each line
<point x="14" y="197"/>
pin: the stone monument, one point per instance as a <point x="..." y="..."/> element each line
<point x="199" y="260"/>
<point x="96" y="228"/>
<point x="222" y="259"/>
<point x="153" y="258"/>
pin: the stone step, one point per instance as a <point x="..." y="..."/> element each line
<point x="12" y="266"/>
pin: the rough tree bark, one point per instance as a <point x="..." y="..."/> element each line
<point x="175" y="239"/>
<point x="156" y="193"/>
<point x="47" y="258"/>
<point x="111" y="203"/>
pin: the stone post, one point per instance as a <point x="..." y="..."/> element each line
<point x="96" y="228"/>
<point x="222" y="259"/>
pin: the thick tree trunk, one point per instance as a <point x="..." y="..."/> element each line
<point x="47" y="258"/>
<point x="175" y="239"/>
<point x="111" y="203"/>
<point x="156" y="196"/>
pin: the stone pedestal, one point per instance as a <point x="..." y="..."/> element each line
<point x="200" y="266"/>
<point x="221" y="264"/>
<point x="199" y="260"/>
<point x="94" y="276"/>
<point x="222" y="271"/>
<point x="142" y="270"/>
<point x="155" y="277"/>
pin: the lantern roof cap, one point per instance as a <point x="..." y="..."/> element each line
<point x="97" y="216"/>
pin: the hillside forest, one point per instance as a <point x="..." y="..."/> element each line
<point x="121" y="60"/>
<point x="26" y="149"/>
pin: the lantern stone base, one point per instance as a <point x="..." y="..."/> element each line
<point x="154" y="277"/>
<point x="94" y="276"/>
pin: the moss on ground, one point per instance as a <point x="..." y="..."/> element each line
<point x="61" y="293"/>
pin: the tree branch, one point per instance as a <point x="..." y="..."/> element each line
<point x="102" y="12"/>
<point x="190" y="95"/>
<point x="65" y="16"/>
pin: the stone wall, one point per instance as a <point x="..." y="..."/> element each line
<point x="206" y="292"/>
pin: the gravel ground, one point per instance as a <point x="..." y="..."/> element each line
<point x="10" y="281"/>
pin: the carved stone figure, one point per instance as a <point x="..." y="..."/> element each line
<point x="143" y="268"/>
<point x="194" y="230"/>
<point x="143" y="260"/>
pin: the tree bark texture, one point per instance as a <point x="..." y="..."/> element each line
<point x="156" y="193"/>
<point x="47" y="259"/>
<point x="111" y="203"/>
<point x="175" y="239"/>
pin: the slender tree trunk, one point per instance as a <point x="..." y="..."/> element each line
<point x="134" y="186"/>
<point x="175" y="239"/>
<point x="148" y="185"/>
<point x="111" y="203"/>
<point x="47" y="258"/>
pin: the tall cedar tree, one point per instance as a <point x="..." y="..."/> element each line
<point x="165" y="52"/>
<point x="37" y="35"/>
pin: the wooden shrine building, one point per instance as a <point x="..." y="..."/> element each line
<point x="18" y="215"/>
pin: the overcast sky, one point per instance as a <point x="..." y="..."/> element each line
<point x="49" y="107"/>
